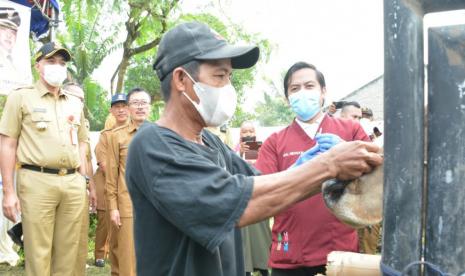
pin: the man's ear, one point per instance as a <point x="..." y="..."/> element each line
<point x="323" y="95"/>
<point x="179" y="79"/>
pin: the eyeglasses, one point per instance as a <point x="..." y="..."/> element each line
<point x="139" y="104"/>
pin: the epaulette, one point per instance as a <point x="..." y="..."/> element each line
<point x="105" y="130"/>
<point x="120" y="127"/>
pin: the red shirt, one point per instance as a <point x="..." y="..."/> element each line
<point x="308" y="228"/>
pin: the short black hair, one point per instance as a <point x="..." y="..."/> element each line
<point x="192" y="67"/>
<point x="298" y="66"/>
<point x="353" y="103"/>
<point x="137" y="90"/>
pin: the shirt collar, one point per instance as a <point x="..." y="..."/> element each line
<point x="132" y="126"/>
<point x="310" y="128"/>
<point x="44" y="91"/>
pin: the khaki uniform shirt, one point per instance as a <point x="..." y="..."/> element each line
<point x="116" y="192"/>
<point x="99" y="178"/>
<point x="48" y="130"/>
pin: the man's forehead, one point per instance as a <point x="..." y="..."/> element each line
<point x="302" y="76"/>
<point x="140" y="95"/>
<point x="57" y="57"/>
<point x="5" y="29"/>
<point x="354" y="109"/>
<point x="247" y="126"/>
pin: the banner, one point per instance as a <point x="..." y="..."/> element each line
<point x="15" y="56"/>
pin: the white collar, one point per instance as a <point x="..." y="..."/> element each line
<point x="311" y="128"/>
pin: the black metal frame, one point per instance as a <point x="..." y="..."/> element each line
<point x="417" y="200"/>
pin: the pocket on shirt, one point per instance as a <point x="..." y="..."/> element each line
<point x="41" y="120"/>
<point x="292" y="252"/>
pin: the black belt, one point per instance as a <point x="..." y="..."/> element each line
<point x="62" y="171"/>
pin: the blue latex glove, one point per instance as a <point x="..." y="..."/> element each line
<point x="327" y="141"/>
<point x="324" y="142"/>
<point x="308" y="155"/>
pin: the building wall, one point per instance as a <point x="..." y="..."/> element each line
<point x="370" y="95"/>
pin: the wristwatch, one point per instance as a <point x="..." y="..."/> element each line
<point x="87" y="179"/>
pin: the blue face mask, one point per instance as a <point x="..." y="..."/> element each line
<point x="305" y="104"/>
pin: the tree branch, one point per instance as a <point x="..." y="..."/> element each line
<point x="113" y="78"/>
<point x="145" y="47"/>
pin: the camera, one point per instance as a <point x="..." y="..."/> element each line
<point x="248" y="139"/>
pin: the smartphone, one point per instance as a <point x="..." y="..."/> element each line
<point x="339" y="104"/>
<point x="254" y="145"/>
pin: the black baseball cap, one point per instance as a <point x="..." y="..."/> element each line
<point x="117" y="98"/>
<point x="196" y="41"/>
<point x="51" y="48"/>
<point x="9" y="18"/>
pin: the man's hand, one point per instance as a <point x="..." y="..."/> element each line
<point x="350" y="160"/>
<point x="102" y="167"/>
<point x="115" y="219"/>
<point x="332" y="108"/>
<point x="244" y="148"/>
<point x="11" y="206"/>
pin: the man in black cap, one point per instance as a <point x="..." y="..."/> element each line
<point x="9" y="24"/>
<point x="190" y="192"/>
<point x="118" y="117"/>
<point x="43" y="129"/>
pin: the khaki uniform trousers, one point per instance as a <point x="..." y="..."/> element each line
<point x="122" y="252"/>
<point x="52" y="208"/>
<point x="81" y="261"/>
<point x="102" y="235"/>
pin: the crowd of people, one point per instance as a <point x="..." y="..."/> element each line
<point x="171" y="198"/>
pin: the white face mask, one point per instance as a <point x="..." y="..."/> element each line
<point x="55" y="74"/>
<point x="217" y="105"/>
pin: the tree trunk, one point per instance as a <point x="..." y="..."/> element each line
<point x="121" y="73"/>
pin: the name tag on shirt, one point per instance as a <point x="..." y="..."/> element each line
<point x="292" y="153"/>
<point x="74" y="137"/>
<point x="39" y="109"/>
